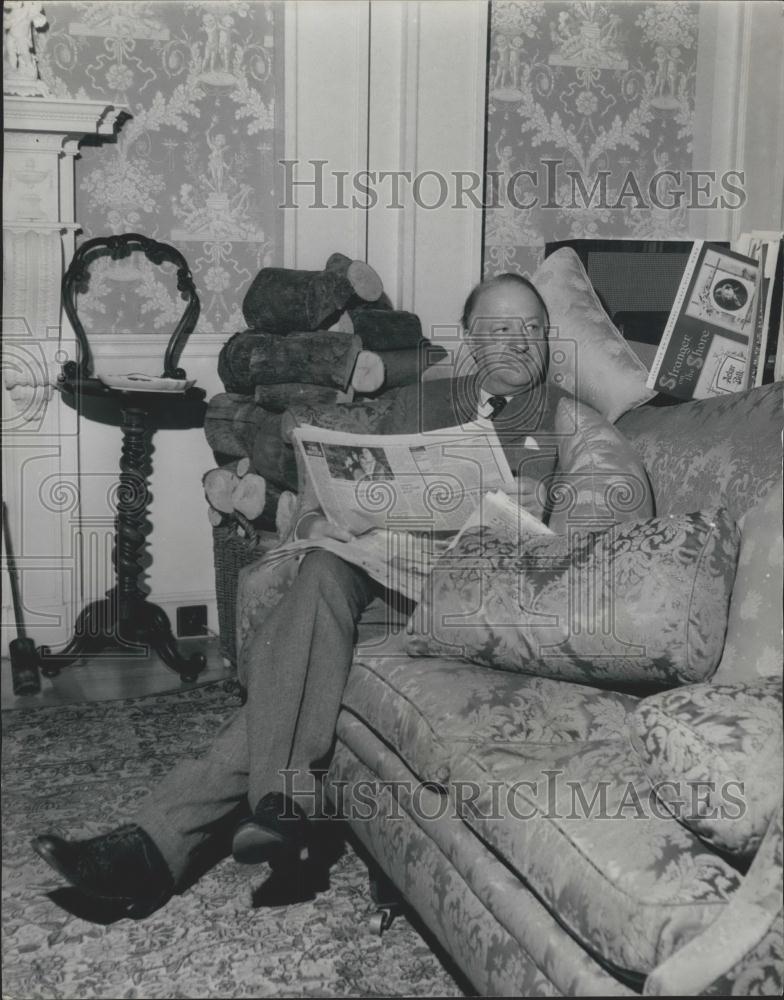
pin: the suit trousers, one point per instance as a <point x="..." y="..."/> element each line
<point x="298" y="663"/>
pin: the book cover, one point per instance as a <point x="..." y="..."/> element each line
<point x="706" y="346"/>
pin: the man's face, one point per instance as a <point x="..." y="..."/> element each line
<point x="507" y="338"/>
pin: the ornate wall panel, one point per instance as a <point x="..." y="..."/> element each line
<point x="194" y="166"/>
<point x="603" y="92"/>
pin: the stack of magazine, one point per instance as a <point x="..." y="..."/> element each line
<point x="724" y="330"/>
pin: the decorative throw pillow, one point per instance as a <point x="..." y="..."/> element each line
<point x="713" y="754"/>
<point x="754" y="648"/>
<point x="599" y="479"/>
<point x="641" y="602"/>
<point x="588" y="356"/>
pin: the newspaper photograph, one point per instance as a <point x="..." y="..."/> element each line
<point x="428" y="482"/>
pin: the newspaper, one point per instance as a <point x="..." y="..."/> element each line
<point x="707" y="343"/>
<point x="406" y="498"/>
<point x="399" y="560"/>
<point x="504" y="517"/>
<point x="427" y="482"/>
<point x="402" y="560"/>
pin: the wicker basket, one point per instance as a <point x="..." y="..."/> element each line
<point x="231" y="552"/>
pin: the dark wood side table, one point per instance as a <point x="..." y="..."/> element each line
<point x="124" y="618"/>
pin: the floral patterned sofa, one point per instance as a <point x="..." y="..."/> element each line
<point x="548" y="893"/>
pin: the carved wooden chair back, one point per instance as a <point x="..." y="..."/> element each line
<point x="129" y="284"/>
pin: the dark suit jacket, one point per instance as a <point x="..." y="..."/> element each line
<point x="441" y="403"/>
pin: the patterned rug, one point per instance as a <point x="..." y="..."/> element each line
<point x="81" y="769"/>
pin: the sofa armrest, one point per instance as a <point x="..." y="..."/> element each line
<point x="742" y="952"/>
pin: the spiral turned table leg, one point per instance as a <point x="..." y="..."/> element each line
<point x="140" y="620"/>
<point x="125" y="618"/>
<point x="133" y="499"/>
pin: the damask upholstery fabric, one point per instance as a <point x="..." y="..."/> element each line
<point x="587" y="353"/>
<point x="741" y="953"/>
<point x="599" y="479"/>
<point x="579" y="823"/>
<point x="755" y="645"/>
<point x="642" y="602"/>
<point x="425" y="713"/>
<point x="725" y="451"/>
<point x="500" y="934"/>
<point x="713" y="753"/>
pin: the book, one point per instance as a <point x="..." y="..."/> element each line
<point x="765" y="247"/>
<point x="707" y="343"/>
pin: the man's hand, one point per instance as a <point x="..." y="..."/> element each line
<point x="317" y="526"/>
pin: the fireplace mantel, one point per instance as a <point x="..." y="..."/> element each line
<point x="39" y="434"/>
<point x="61" y="115"/>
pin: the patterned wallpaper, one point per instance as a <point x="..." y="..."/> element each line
<point x="603" y="92"/>
<point x="194" y="166"/>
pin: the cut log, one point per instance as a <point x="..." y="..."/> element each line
<point x="221" y="431"/>
<point x="383" y="302"/>
<point x="235" y="425"/>
<point x="364" y="416"/>
<point x="219" y="486"/>
<point x="369" y="372"/>
<point x="274" y="459"/>
<point x="285" y="300"/>
<point x="250" y="358"/>
<point x="385" y="330"/>
<point x="249" y="496"/>
<point x="280" y="397"/>
<point x="406" y="367"/>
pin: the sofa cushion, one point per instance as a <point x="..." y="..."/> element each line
<point x="599" y="478"/>
<point x="641" y="602"/>
<point x="579" y="824"/>
<point x="587" y="353"/>
<point x="713" y="753"/>
<point x="720" y="452"/>
<point x="424" y="708"/>
<point x="755" y="644"/>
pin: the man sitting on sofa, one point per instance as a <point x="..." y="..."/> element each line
<point x="298" y="661"/>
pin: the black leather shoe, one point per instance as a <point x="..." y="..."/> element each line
<point x="278" y="824"/>
<point x="123" y="866"/>
<point x="291" y="880"/>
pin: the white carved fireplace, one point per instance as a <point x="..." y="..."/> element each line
<point x="39" y="433"/>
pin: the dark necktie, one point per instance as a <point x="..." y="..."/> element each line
<point x="497" y="403"/>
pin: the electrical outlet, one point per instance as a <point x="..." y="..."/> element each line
<point x="192" y="620"/>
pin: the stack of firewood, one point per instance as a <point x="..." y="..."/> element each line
<point x="315" y="340"/>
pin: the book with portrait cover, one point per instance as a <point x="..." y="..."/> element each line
<point x="707" y="343"/>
